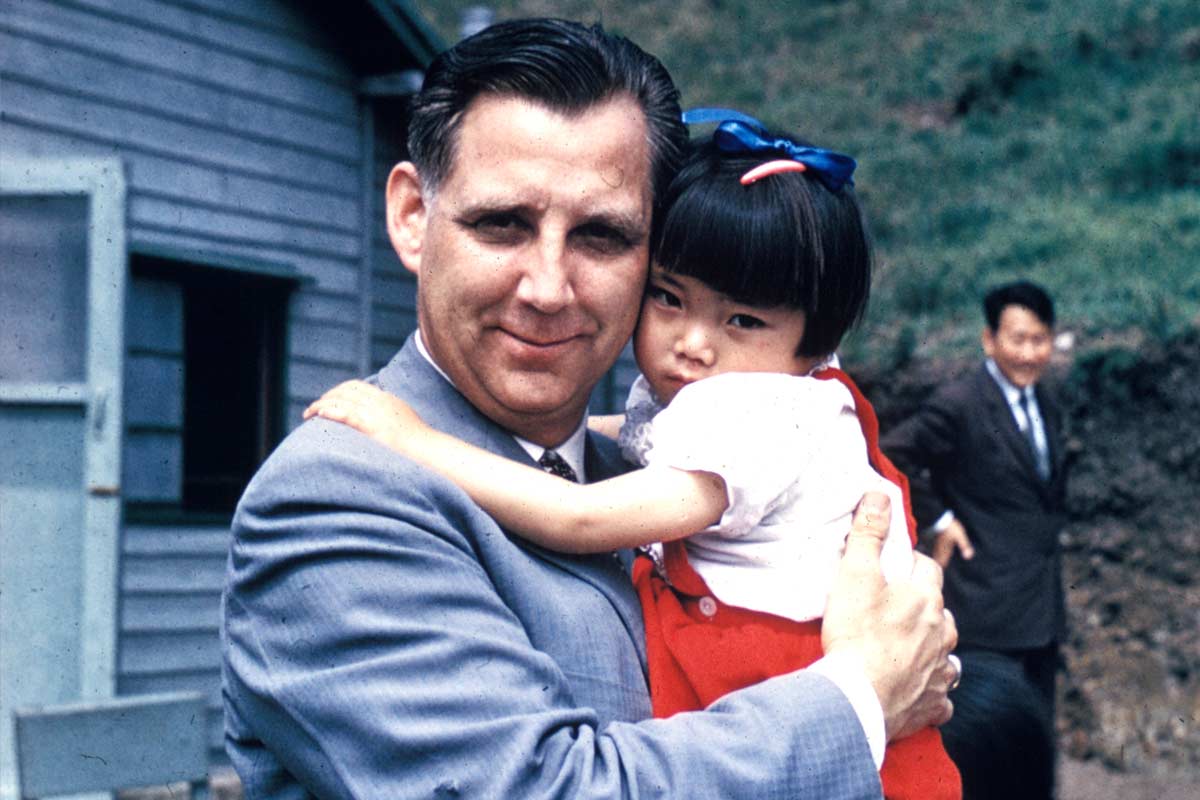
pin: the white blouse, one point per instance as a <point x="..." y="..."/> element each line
<point x="794" y="461"/>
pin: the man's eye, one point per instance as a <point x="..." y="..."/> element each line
<point x="603" y="239"/>
<point x="746" y="321"/>
<point x="498" y="227"/>
<point x="661" y="295"/>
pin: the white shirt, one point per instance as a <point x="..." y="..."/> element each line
<point x="1013" y="395"/>
<point x="792" y="455"/>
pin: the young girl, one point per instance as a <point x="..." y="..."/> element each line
<point x="755" y="447"/>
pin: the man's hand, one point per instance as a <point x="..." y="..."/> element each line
<point x="899" y="632"/>
<point x="954" y="537"/>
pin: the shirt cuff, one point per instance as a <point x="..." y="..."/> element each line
<point x="847" y="674"/>
<point x="942" y="522"/>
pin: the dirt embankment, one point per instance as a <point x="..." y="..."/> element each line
<point x="1131" y="695"/>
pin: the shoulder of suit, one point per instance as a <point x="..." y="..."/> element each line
<point x="322" y="458"/>
<point x="962" y="390"/>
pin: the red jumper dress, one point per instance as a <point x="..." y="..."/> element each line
<point x="699" y="648"/>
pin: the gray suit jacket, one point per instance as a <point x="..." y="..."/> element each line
<point x="384" y="638"/>
<point x="963" y="451"/>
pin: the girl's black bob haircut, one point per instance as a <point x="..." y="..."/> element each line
<point x="783" y="241"/>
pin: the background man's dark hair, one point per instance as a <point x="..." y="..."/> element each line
<point x="1021" y="293"/>
<point x="562" y="65"/>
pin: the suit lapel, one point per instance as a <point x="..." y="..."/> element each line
<point x="608" y="575"/>
<point x="1000" y="415"/>
<point x="411" y="377"/>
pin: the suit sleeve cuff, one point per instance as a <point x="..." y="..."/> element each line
<point x="848" y="675"/>
<point x="941" y="523"/>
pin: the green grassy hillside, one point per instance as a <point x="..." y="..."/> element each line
<point x="1058" y="141"/>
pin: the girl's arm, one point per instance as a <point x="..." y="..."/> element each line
<point x="640" y="507"/>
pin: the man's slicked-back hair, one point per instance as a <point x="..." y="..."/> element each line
<point x="785" y="241"/>
<point x="564" y="66"/>
<point x="1020" y="293"/>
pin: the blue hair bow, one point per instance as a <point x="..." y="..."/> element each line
<point x="741" y="133"/>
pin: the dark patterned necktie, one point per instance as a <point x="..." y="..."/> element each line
<point x="555" y="464"/>
<point x="1040" y="457"/>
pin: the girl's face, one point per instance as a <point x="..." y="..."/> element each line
<point x="688" y="331"/>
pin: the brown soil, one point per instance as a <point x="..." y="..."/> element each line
<point x="1130" y="698"/>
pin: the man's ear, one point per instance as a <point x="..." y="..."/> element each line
<point x="989" y="341"/>
<point x="406" y="215"/>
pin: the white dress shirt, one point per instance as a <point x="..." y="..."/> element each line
<point x="1013" y="395"/>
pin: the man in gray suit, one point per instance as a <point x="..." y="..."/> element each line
<point x="383" y="637"/>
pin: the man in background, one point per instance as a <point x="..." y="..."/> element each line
<point x="984" y="456"/>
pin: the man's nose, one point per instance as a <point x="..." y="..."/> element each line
<point x="695" y="344"/>
<point x="546" y="277"/>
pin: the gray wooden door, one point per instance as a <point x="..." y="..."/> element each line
<point x="62" y="291"/>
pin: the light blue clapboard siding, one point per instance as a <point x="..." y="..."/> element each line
<point x="241" y="135"/>
<point x="239" y="228"/>
<point x="137" y="42"/>
<point x="171" y="579"/>
<point x="240" y="127"/>
<point x="153" y="614"/>
<point x="156" y="381"/>
<point x="123" y="83"/>
<point x="323" y="342"/>
<point x="310" y="378"/>
<point x="58" y="110"/>
<point x="393" y="288"/>
<point x="316" y="306"/>
<point x="152" y="457"/>
<point x="323" y="276"/>
<point x="143" y="654"/>
<point x="183" y="573"/>
<point x="152" y="464"/>
<point x="249" y="35"/>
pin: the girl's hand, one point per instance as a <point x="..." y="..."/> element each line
<point x="369" y="409"/>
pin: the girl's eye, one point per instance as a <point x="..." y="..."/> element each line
<point x="746" y="321"/>
<point x="661" y="295"/>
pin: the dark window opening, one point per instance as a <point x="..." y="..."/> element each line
<point x="233" y="396"/>
<point x="232" y="355"/>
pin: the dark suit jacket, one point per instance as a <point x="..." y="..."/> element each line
<point x="384" y="638"/>
<point x="963" y="451"/>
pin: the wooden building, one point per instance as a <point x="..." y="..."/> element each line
<point x="191" y="249"/>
